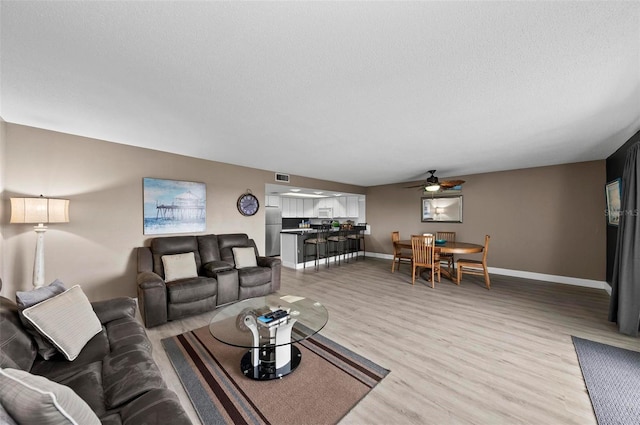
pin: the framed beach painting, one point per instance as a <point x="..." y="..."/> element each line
<point x="613" y="202"/>
<point x="174" y="206"/>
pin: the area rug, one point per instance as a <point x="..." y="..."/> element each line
<point x="329" y="382"/>
<point x="612" y="376"/>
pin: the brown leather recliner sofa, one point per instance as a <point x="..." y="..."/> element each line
<point x="220" y="278"/>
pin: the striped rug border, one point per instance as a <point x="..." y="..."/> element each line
<point x="187" y="354"/>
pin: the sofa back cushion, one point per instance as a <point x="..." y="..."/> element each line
<point x="208" y="247"/>
<point x="173" y="245"/>
<point x="227" y="242"/>
<point x="17" y="349"/>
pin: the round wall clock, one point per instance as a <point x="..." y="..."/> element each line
<point x="248" y="204"/>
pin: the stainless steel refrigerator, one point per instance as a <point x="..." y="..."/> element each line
<point x="273" y="224"/>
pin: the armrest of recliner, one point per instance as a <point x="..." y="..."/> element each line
<point x="268" y="262"/>
<point x="212" y="268"/>
<point x="152" y="299"/>
<point x="275" y="265"/>
<point x="115" y="308"/>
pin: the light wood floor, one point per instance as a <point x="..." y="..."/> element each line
<point x="457" y="355"/>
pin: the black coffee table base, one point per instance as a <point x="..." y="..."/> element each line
<point x="266" y="369"/>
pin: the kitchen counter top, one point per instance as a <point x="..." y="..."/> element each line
<point x="355" y="229"/>
<point x="292" y="245"/>
<point x="298" y="231"/>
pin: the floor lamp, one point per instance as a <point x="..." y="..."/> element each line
<point x="41" y="211"/>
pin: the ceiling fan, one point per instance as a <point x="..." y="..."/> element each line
<point x="432" y="184"/>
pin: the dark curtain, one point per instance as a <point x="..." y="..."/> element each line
<point x="625" y="291"/>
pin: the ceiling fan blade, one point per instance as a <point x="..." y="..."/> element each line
<point x="451" y="183"/>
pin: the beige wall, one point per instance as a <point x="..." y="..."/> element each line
<point x="546" y="220"/>
<point x="3" y="161"/>
<point x="104" y="184"/>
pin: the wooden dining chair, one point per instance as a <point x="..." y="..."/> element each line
<point x="446" y="257"/>
<point x="424" y="256"/>
<point x="476" y="267"/>
<point x="399" y="254"/>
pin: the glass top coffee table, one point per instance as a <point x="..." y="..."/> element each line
<point x="269" y="326"/>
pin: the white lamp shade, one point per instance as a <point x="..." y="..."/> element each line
<point x="39" y="210"/>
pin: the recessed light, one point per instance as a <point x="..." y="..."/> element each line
<point x="337" y="194"/>
<point x="318" y="193"/>
<point x="295" y="190"/>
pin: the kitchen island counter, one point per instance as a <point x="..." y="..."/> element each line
<point x="292" y="246"/>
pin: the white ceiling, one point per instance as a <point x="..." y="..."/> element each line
<point x="365" y="93"/>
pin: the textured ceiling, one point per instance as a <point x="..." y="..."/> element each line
<point x="365" y="93"/>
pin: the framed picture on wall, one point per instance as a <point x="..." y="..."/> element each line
<point x="445" y="209"/>
<point x="613" y="190"/>
<point x="174" y="206"/>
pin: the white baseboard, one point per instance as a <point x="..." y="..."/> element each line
<point x="567" y="280"/>
<point x="588" y="283"/>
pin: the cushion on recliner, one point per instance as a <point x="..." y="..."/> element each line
<point x="67" y="320"/>
<point x="26" y="299"/>
<point x="154" y="407"/>
<point x="177" y="311"/>
<point x="208" y="247"/>
<point x="86" y="381"/>
<point x="127" y="331"/>
<point x="179" y="266"/>
<point x="228" y="241"/>
<point x="173" y="245"/>
<point x="244" y="257"/>
<point x="32" y="399"/>
<point x="254" y="276"/>
<point x="187" y="290"/>
<point x="128" y="373"/>
<point x="214" y="267"/>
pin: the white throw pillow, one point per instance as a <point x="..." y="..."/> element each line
<point x="33" y="399"/>
<point x="67" y="320"/>
<point x="179" y="266"/>
<point x="26" y="299"/>
<point x="244" y="257"/>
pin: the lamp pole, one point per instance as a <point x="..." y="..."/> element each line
<point x="38" y="262"/>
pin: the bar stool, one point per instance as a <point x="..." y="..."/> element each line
<point x="339" y="240"/>
<point x="317" y="242"/>
<point x="355" y="238"/>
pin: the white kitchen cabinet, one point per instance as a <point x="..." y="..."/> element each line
<point x="316" y="205"/>
<point x="308" y="208"/>
<point x="272" y="201"/>
<point x="340" y="206"/>
<point x="294" y="207"/>
<point x="299" y="207"/>
<point x="286" y="207"/>
<point x="352" y="206"/>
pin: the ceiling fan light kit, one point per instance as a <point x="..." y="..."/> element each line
<point x="432" y="184"/>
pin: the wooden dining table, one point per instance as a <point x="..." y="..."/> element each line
<point x="449" y="248"/>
